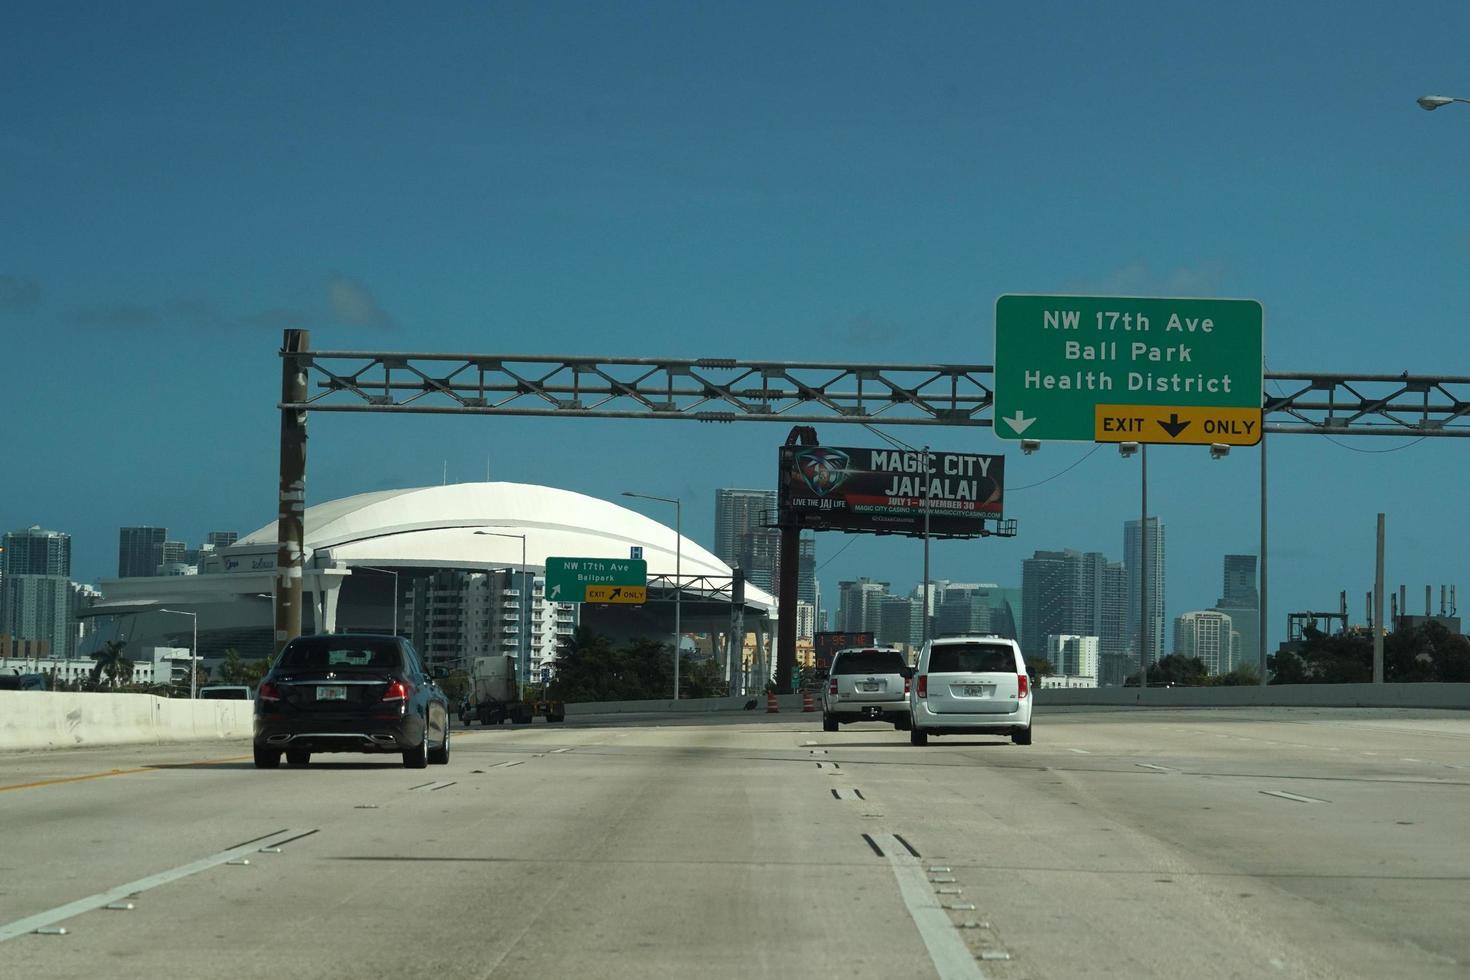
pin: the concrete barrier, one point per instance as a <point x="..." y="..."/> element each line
<point x="58" y="719"/>
<point x="1276" y="695"/>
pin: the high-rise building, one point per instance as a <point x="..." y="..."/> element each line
<point x="221" y="539"/>
<point x="36" y="589"/>
<point x="455" y="615"/>
<point x="968" y="608"/>
<point x="140" y="551"/>
<point x="1068" y="593"/>
<point x="742" y="538"/>
<point x="806" y="570"/>
<point x="1154" y="565"/>
<point x="1241" y="602"/>
<point x="1209" y="635"/>
<point x="1240" y="582"/>
<point x="1073" y="656"/>
<point x="900" y="621"/>
<point x="859" y="605"/>
<point x="806" y="620"/>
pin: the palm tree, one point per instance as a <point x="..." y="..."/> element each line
<point x="112" y="664"/>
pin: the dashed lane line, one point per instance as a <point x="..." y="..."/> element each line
<point x="49" y="918"/>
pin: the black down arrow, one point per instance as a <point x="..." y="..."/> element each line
<point x="1173" y="426"/>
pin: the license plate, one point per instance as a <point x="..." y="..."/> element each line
<point x="334" y="693"/>
<point x="868" y="687"/>
<point x="978" y="690"/>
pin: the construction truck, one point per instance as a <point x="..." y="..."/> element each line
<point x="495" y="697"/>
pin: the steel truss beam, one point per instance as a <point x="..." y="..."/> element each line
<point x="730" y="390"/>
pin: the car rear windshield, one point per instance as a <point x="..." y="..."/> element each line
<point x="972" y="658"/>
<point x="341" y="653"/>
<point x="869" y="662"/>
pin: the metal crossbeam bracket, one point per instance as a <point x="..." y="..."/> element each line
<point x="731" y="390"/>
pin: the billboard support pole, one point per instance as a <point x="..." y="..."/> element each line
<point x="735" y="654"/>
<point x="291" y="502"/>
<point x="790" y="561"/>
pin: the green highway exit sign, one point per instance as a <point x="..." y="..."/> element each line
<point x="1128" y="369"/>
<point x="617" y="580"/>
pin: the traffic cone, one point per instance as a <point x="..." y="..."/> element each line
<point x="806" y="700"/>
<point x="772" y="708"/>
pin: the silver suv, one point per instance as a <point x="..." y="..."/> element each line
<point x="867" y="684"/>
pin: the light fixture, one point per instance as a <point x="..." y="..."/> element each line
<point x="1431" y="102"/>
<point x="1029" y="446"/>
<point x="1126" y="449"/>
<point x="1219" y="450"/>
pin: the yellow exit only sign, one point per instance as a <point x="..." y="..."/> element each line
<point x="630" y="594"/>
<point x="1179" y="424"/>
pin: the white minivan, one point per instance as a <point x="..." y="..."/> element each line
<point x="970" y="685"/>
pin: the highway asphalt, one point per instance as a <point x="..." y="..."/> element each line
<point x="1123" y="843"/>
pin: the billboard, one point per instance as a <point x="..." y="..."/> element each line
<point x="887" y="491"/>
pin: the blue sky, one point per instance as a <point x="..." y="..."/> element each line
<point x="814" y="181"/>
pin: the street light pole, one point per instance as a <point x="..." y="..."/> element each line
<point x="678" y="571"/>
<point x="193" y="650"/>
<point x="925" y="612"/>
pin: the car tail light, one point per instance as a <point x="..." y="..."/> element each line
<point x="923" y="685"/>
<point x="905" y="687"/>
<point x="397" y="691"/>
<point x="832" y="687"/>
<point x="268" y="691"/>
<point x="1021" y="684"/>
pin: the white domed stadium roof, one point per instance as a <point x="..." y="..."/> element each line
<point x="442" y="527"/>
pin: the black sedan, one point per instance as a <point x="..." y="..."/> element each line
<point x="350" y="693"/>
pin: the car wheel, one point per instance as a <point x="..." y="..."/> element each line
<point x="918" y="737"/>
<point x="266" y="758"/>
<point x="417" y="757"/>
<point x="1022" y="736"/>
<point x="440" y="756"/>
<point x="298" y="757"/>
<point x="829" y="724"/>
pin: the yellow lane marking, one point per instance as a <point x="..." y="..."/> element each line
<point x="121" y="772"/>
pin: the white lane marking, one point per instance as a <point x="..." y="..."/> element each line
<point x="1150" y="765"/>
<point x="1411" y="760"/>
<point x="846" y="794"/>
<point x="506" y="765"/>
<point x="1080" y="751"/>
<point x="555" y="751"/>
<point x="50" y="917"/>
<point x="1292" y="796"/>
<point x="440" y="784"/>
<point x="947" y="951"/>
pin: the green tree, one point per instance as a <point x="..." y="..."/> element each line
<point x="111" y="665"/>
<point x="1343" y="658"/>
<point x="232" y="668"/>
<point x="1239" y="677"/>
<point x="1041" y="667"/>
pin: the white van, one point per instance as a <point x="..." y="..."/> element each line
<point x="970" y="685"/>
